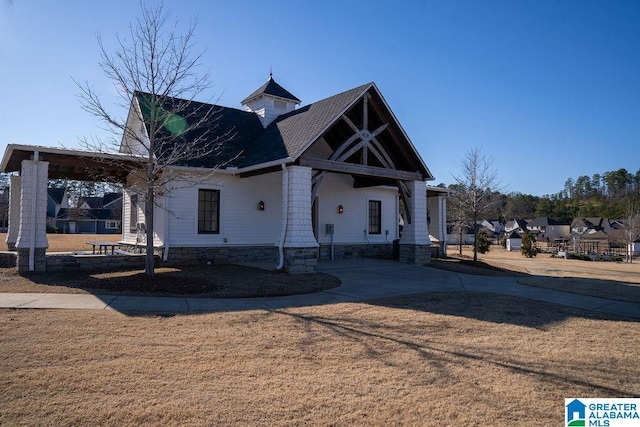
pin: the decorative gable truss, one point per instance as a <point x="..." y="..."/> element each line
<point x="368" y="143"/>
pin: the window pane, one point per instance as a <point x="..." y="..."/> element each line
<point x="375" y="217"/>
<point x="208" y="211"/>
<point x="133" y="214"/>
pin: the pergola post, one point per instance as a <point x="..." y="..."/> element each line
<point x="415" y="245"/>
<point x="14" y="211"/>
<point x="31" y="243"/>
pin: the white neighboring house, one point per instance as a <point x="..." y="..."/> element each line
<point x="515" y="225"/>
<point x="634" y="249"/>
<point x="547" y="229"/>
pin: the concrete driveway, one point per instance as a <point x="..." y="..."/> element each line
<point x="362" y="279"/>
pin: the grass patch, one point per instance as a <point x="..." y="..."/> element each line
<point x="432" y="359"/>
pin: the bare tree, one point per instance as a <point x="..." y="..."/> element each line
<point x="154" y="72"/>
<point x="631" y="227"/>
<point x="456" y="210"/>
<point x="476" y="183"/>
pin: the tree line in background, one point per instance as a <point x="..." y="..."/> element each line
<point x="76" y="190"/>
<point x="601" y="195"/>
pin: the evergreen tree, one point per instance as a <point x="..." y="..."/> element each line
<point x="528" y="247"/>
<point x="483" y="242"/>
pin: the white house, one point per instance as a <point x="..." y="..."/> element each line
<point x="322" y="181"/>
<point x="548" y="229"/>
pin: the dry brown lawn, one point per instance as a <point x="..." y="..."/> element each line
<point x="431" y="359"/>
<point x="69" y="242"/>
<point x="615" y="280"/>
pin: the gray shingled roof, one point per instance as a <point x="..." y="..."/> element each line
<point x="92" y="202"/>
<point x="241" y="141"/>
<point x="289" y="134"/>
<point x="244" y="142"/>
<point x="89" y="214"/>
<point x="56" y="194"/>
<point x="271" y="88"/>
<point x="543" y="221"/>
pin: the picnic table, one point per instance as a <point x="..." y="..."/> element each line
<point x="103" y="245"/>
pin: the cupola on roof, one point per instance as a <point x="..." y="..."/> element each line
<point x="273" y="89"/>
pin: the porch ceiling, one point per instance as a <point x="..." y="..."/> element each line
<point x="72" y="164"/>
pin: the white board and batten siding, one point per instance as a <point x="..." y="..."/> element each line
<point x="352" y="226"/>
<point x="241" y="222"/>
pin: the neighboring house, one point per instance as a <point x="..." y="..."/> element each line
<point x="296" y="184"/>
<point x="95" y="215"/>
<point x="56" y="199"/>
<point x="493" y="225"/>
<point x="519" y="225"/>
<point x="548" y="230"/>
<point x="598" y="236"/>
<point x="460" y="234"/>
<point x="634" y="248"/>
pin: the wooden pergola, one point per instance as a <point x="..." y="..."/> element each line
<point x="28" y="191"/>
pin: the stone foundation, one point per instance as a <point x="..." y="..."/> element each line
<point x="222" y="255"/>
<point x="7" y="259"/>
<point x="355" y="251"/>
<point x="300" y="260"/>
<point x="140" y="249"/>
<point x="415" y="254"/>
<point x="40" y="260"/>
<point x="59" y="262"/>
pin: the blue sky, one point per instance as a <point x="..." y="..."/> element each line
<point x="548" y="89"/>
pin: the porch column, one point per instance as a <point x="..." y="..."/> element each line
<point x="415" y="245"/>
<point x="438" y="221"/>
<point x="14" y="212"/>
<point x="32" y="243"/>
<point x="300" y="245"/>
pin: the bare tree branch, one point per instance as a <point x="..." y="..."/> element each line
<point x="475" y="185"/>
<point x="154" y="71"/>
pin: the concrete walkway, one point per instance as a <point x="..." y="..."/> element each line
<point x="362" y="280"/>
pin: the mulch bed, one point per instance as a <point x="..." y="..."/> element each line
<point x="214" y="281"/>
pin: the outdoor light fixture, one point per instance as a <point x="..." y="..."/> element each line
<point x="340" y="209"/>
<point x="261" y="205"/>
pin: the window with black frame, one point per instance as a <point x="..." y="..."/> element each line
<point x="208" y="211"/>
<point x="375" y="217"/>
